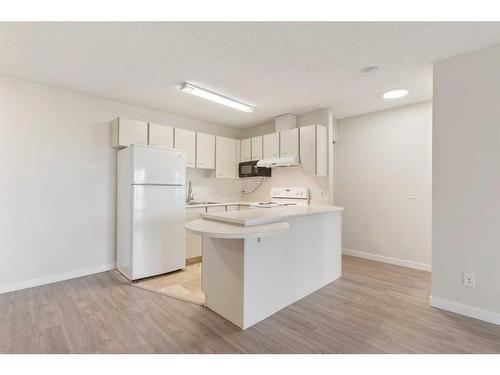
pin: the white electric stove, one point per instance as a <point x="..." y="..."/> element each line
<point x="285" y="196"/>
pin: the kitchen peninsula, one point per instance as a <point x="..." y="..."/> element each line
<point x="258" y="261"/>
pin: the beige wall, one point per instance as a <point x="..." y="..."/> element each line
<point x="380" y="157"/>
<point x="466" y="184"/>
<point x="57" y="180"/>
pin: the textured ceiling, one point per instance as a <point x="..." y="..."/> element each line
<point x="276" y="67"/>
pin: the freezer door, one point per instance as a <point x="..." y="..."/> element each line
<point x="154" y="165"/>
<point x="158" y="234"/>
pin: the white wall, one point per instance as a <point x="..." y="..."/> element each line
<point x="321" y="188"/>
<point x="287" y="176"/>
<point x="208" y="188"/>
<point x="57" y="180"/>
<point x="380" y="157"/>
<point x="466" y="184"/>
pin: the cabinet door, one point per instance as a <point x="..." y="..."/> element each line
<point x="160" y="135"/>
<point x="321" y="150"/>
<point x="205" y="151"/>
<point x="225" y="157"/>
<point x="246" y="149"/>
<point x="289" y="142"/>
<point x="216" y="208"/>
<point x="271" y="146"/>
<point x="238" y="157"/>
<point x="186" y="140"/>
<point x="193" y="241"/>
<point x="127" y="131"/>
<point x="308" y="149"/>
<point x="257" y="148"/>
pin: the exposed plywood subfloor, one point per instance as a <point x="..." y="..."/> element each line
<point x="184" y="284"/>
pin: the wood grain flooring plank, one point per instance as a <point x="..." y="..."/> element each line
<point x="6" y="322"/>
<point x="373" y="308"/>
<point x="25" y="338"/>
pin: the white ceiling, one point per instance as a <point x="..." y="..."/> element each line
<point x="276" y="67"/>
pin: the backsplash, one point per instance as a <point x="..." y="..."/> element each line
<point x="287" y="177"/>
<point x="206" y="187"/>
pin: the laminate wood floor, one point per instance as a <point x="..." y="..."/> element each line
<point x="373" y="308"/>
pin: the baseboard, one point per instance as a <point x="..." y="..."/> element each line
<point x="472" y="312"/>
<point x="55" y="278"/>
<point x="384" y="259"/>
<point x="193" y="260"/>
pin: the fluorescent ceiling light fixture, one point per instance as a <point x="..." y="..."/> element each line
<point x="212" y="96"/>
<point x="394" y="94"/>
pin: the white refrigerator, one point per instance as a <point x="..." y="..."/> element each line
<point x="150" y="211"/>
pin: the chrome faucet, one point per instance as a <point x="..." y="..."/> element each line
<point x="190" y="195"/>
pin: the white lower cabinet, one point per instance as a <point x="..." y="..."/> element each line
<point x="193" y="242"/>
<point x="194" y="246"/>
<point x="216" y="208"/>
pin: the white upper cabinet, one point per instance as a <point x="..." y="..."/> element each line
<point x="205" y="151"/>
<point x="160" y="135"/>
<point x="238" y="156"/>
<point x="186" y="140"/>
<point x="289" y="142"/>
<point x="271" y="146"/>
<point x="125" y="131"/>
<point x="256" y="148"/>
<point x="246" y="149"/>
<point x="321" y="150"/>
<point x="225" y="157"/>
<point x="314" y="150"/>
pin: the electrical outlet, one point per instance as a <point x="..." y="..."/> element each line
<point x="469" y="280"/>
<point x="411" y="194"/>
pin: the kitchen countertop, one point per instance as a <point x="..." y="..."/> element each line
<point x="219" y="204"/>
<point x="210" y="228"/>
<point x="260" y="216"/>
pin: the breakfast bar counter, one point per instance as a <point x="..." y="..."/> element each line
<point x="258" y="261"/>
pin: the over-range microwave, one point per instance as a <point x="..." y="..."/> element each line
<point x="250" y="169"/>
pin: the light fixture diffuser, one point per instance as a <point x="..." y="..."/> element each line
<point x="214" y="97"/>
<point x="394" y="94"/>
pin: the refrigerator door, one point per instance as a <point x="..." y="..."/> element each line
<point x="158" y="166"/>
<point x="158" y="235"/>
